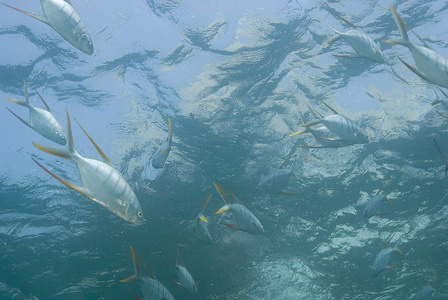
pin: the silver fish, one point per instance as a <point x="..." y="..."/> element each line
<point x="152" y="289"/>
<point x="431" y="66"/>
<point x="277" y="180"/>
<point x="325" y="137"/>
<point x="65" y="20"/>
<point x="375" y="205"/>
<point x="428" y="291"/>
<point x="40" y="120"/>
<point x="162" y="153"/>
<point x="341" y="126"/>
<point x="184" y="278"/>
<point x="383" y="258"/>
<point x="202" y="232"/>
<point x="363" y="45"/>
<point x="245" y="219"/>
<point x="100" y="181"/>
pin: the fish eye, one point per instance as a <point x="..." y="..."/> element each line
<point x="140" y="214"/>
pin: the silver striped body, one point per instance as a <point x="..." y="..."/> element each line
<point x="432" y="65"/>
<point x="276" y="181"/>
<point x="203" y="234"/>
<point x="246" y="220"/>
<point x="375" y="206"/>
<point x="382" y="261"/>
<point x="362" y="44"/>
<point x="323" y="132"/>
<point x="152" y="289"/>
<point x="44" y="123"/>
<point x="345" y="129"/>
<point x="186" y="280"/>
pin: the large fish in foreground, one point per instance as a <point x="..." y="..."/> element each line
<point x="345" y="129"/>
<point x="383" y="258"/>
<point x="202" y="231"/>
<point x="40" y="120"/>
<point x="431" y="66"/>
<point x="245" y="219"/>
<point x="65" y="20"/>
<point x="152" y="289"/>
<point x="100" y="181"/>
<point x="161" y="155"/>
<point x="363" y="45"/>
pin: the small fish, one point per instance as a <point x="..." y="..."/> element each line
<point x="245" y="219"/>
<point x="383" y="258"/>
<point x="428" y="291"/>
<point x="443" y="155"/>
<point x="100" y="181"/>
<point x="65" y="20"/>
<point x="184" y="278"/>
<point x="152" y="289"/>
<point x="375" y="205"/>
<point x="162" y="154"/>
<point x="345" y="129"/>
<point x="431" y="66"/>
<point x="277" y="180"/>
<point x="42" y="121"/>
<point x="203" y="234"/>
<point x="325" y="137"/>
<point x="363" y="45"/>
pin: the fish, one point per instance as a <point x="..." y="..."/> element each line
<point x="277" y="180"/>
<point x="65" y="20"/>
<point x="184" y="278"/>
<point x="203" y="234"/>
<point x="375" y="205"/>
<point x="325" y="137"/>
<point x="443" y="155"/>
<point x="152" y="289"/>
<point x="162" y="153"/>
<point x="443" y="101"/>
<point x="100" y="181"/>
<point x="427" y="292"/>
<point x="431" y="66"/>
<point x="363" y="45"/>
<point x="383" y="258"/>
<point x="344" y="128"/>
<point x="40" y="120"/>
<point x="245" y="219"/>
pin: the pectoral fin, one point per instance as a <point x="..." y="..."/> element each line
<point x="388" y="201"/>
<point x="348" y="55"/>
<point x="298" y="133"/>
<point x="23" y="121"/>
<point x="136" y="297"/>
<point x="287" y="193"/>
<point x="312" y="123"/>
<point x="45" y="103"/>
<point x="231" y="226"/>
<point x="42" y="19"/>
<point x="393" y="266"/>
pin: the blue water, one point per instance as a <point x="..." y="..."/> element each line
<point x="231" y="76"/>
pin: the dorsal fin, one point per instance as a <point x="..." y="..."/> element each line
<point x="106" y="159"/>
<point x="331" y="108"/>
<point x="338" y="16"/>
<point x="293" y="150"/>
<point x="205" y="202"/>
<point x="236" y="198"/>
<point x="388" y="242"/>
<point x="45" y="103"/>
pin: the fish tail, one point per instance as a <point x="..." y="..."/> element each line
<point x="136" y="276"/>
<point x="404" y="40"/>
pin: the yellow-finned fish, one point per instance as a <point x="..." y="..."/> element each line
<point x="152" y="289"/>
<point x="65" y="20"/>
<point x="100" y="181"/>
<point x="383" y="258"/>
<point x="246" y="220"/>
<point x="40" y="120"/>
<point x="431" y="66"/>
<point x="162" y="153"/>
<point x="184" y="278"/>
<point x="203" y="234"/>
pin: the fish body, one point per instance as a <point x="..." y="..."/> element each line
<point x="203" y="234"/>
<point x="426" y="293"/>
<point x="186" y="280"/>
<point x="375" y="206"/>
<point x="100" y="181"/>
<point x="65" y="20"/>
<point x="326" y="138"/>
<point x="40" y="120"/>
<point x="443" y="101"/>
<point x="276" y="181"/>
<point x="152" y="289"/>
<point x="162" y="153"/>
<point x="431" y="66"/>
<point x="382" y="261"/>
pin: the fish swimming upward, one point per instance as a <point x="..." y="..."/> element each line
<point x="383" y="258"/>
<point x="202" y="231"/>
<point x="184" y="278"/>
<point x="345" y="129"/>
<point x="375" y="205"/>
<point x="277" y="180"/>
<point x="245" y="219"/>
<point x="100" y="181"/>
<point x="40" y="120"/>
<point x="363" y="45"/>
<point x="162" y="154"/>
<point x="152" y="289"/>
<point x="431" y="66"/>
<point x="325" y="137"/>
<point x="65" y="20"/>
